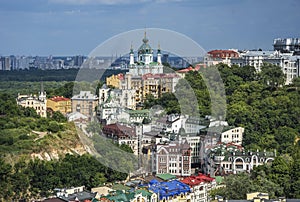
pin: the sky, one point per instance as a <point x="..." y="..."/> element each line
<point x="76" y="27"/>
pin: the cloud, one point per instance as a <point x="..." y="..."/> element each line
<point x="91" y="2"/>
<point x="108" y="2"/>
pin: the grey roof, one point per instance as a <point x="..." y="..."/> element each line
<point x="84" y="195"/>
<point x="104" y="86"/>
<point x="85" y="95"/>
<point x="259" y="53"/>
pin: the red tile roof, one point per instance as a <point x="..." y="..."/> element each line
<point x="119" y="130"/>
<point x="157" y="76"/>
<point x="192" y="181"/>
<point x="190" y="68"/>
<point x="196" y="180"/>
<point x="120" y="76"/>
<point x="223" y="53"/>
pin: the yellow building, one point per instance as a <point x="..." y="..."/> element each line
<point x="60" y="104"/>
<point x="256" y="196"/>
<point x="115" y="80"/>
<point x="150" y="84"/>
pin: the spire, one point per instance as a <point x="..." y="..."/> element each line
<point x="42" y="95"/>
<point x="131" y="48"/>
<point x="158" y="49"/>
<point x="131" y="58"/>
<point x="42" y="86"/>
<point x="145" y="40"/>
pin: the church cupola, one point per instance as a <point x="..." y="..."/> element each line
<point x="145" y="52"/>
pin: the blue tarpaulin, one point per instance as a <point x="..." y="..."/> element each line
<point x="167" y="189"/>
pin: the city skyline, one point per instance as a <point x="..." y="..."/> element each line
<point x="76" y="27"/>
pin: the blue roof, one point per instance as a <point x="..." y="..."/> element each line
<point x="167" y="189"/>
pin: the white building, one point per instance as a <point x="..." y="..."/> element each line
<point x="230" y="158"/>
<point x="234" y="135"/>
<point x="38" y="103"/>
<point x="193" y="125"/>
<point x="286" y="44"/>
<point x="289" y="64"/>
<point x="124" y="98"/>
<point x="170" y="123"/>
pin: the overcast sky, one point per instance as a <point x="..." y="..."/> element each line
<point x="74" y="27"/>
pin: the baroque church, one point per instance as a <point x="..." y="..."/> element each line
<point x="145" y="63"/>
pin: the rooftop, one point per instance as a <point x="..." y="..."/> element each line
<point x="85" y="95"/>
<point x="59" y="98"/>
<point x="167" y="189"/>
<point x="166" y="176"/>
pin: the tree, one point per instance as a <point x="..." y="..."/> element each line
<point x="58" y="117"/>
<point x="146" y="121"/>
<point x="5" y="177"/>
<point x="94" y="127"/>
<point x="272" y="76"/>
<point x="53" y="127"/>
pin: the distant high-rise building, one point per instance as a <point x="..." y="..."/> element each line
<point x="5" y="63"/>
<point x="287" y="44"/>
<point x="165" y="58"/>
<point x="78" y="60"/>
<point x="13" y="62"/>
<point x="23" y="62"/>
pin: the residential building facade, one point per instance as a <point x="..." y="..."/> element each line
<point x="234" y="135"/>
<point x="38" y="103"/>
<point x="85" y="103"/>
<point x="286" y="44"/>
<point x="125" y="134"/>
<point x="230" y="158"/>
<point x="60" y="104"/>
<point x="173" y="158"/>
<point x="289" y="64"/>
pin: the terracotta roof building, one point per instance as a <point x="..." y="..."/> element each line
<point x="60" y="104"/>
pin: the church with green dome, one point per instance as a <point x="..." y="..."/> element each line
<point x="144" y="63"/>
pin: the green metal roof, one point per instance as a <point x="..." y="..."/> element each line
<point x="166" y="176"/>
<point x="120" y="187"/>
<point x="144" y="193"/>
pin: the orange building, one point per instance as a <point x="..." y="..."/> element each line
<point x="115" y="80"/>
<point x="60" y="104"/>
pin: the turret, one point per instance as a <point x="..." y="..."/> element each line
<point x="42" y="94"/>
<point x="131" y="61"/>
<point x="158" y="55"/>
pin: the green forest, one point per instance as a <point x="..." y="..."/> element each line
<point x="23" y="132"/>
<point x="83" y="74"/>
